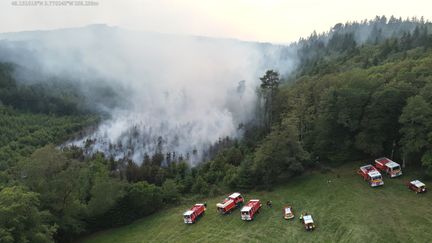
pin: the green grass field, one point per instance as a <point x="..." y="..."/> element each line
<point x="345" y="210"/>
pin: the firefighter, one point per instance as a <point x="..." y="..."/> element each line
<point x="269" y="204"/>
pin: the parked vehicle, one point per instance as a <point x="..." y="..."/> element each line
<point x="191" y="215"/>
<point x="388" y="167"/>
<point x="230" y="203"/>
<point x="250" y="209"/>
<point x="371" y="175"/>
<point x="288" y="212"/>
<point x="417" y="186"/>
<point x="308" y="222"/>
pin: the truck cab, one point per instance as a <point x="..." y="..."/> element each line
<point x="188" y="217"/>
<point x="230" y="203"/>
<point x="375" y="179"/>
<point x="371" y="175"/>
<point x="237" y="198"/>
<point x="308" y="222"/>
<point x="191" y="215"/>
<point x="252" y="207"/>
<point x="394" y="169"/>
<point x="246" y="213"/>
<point x="388" y="166"/>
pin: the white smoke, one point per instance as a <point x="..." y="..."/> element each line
<point x="182" y="93"/>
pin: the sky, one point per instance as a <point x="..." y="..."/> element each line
<point x="277" y="21"/>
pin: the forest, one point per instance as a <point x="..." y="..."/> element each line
<point x="360" y="91"/>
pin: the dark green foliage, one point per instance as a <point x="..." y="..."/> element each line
<point x="245" y="176"/>
<point x="343" y="103"/>
<point x="52" y="95"/>
<point x="143" y="198"/>
<point x="139" y="199"/>
<point x="269" y="87"/>
<point x="170" y="191"/>
<point x="342" y="42"/>
<point x="22" y="133"/>
<point x="200" y="186"/>
<point x="372" y="102"/>
<point x="416" y="131"/>
<point x="38" y="97"/>
<point x="280" y="153"/>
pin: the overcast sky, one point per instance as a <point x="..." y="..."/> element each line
<point x="259" y="20"/>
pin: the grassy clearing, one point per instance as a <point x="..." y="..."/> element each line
<point x="345" y="210"/>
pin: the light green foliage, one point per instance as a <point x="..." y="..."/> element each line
<point x="20" y="218"/>
<point x="55" y="177"/>
<point x="71" y="190"/>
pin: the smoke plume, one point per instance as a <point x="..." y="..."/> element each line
<point x="178" y="93"/>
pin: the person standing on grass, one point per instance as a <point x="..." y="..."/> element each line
<point x="269" y="204"/>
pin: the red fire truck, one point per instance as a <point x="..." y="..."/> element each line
<point x="388" y="166"/>
<point x="192" y="214"/>
<point x="252" y="207"/>
<point x="371" y="175"/>
<point x="230" y="203"/>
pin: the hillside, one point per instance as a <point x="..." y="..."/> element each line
<point x="243" y="128"/>
<point x="345" y="210"/>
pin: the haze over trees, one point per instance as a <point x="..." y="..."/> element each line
<point x="360" y="91"/>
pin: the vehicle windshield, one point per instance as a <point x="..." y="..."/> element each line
<point x="187" y="216"/>
<point x="376" y="178"/>
<point x="396" y="168"/>
<point x="245" y="213"/>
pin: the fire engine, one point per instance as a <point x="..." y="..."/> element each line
<point x="191" y="215"/>
<point x="388" y="166"/>
<point x="371" y="175"/>
<point x="252" y="207"/>
<point x="417" y="186"/>
<point x="230" y="203"/>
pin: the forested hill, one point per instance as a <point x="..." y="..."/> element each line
<point x="358" y="87"/>
<point x="360" y="91"/>
<point x="352" y="109"/>
<point x="349" y="100"/>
